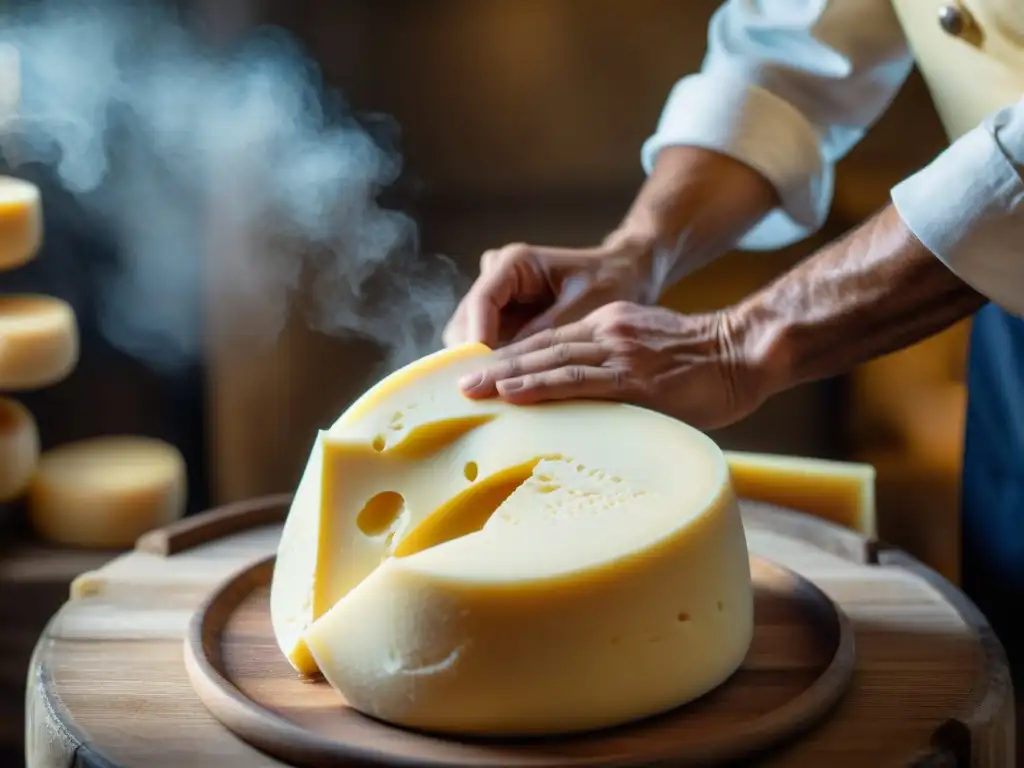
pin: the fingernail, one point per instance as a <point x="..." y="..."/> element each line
<point x="510" y="386"/>
<point x="471" y="381"/>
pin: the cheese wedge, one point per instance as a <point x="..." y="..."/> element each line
<point x="482" y="568"/>
<point x="19" y="448"/>
<point x="38" y="341"/>
<point x="105" y="492"/>
<point x="838" y="491"/>
<point x="21" y="222"/>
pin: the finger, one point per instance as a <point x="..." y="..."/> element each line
<point x="566" y="334"/>
<point x="454" y="332"/>
<point x="486" y="382"/>
<point x="566" y="383"/>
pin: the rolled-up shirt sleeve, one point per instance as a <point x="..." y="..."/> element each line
<point x="788" y="87"/>
<point x="967" y="207"/>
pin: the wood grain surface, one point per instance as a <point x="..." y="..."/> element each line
<point x="800" y="663"/>
<point x="108" y="686"/>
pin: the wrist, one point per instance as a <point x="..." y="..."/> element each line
<point x="695" y="206"/>
<point x="760" y="346"/>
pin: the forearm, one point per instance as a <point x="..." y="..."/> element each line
<point x="694" y="206"/>
<point x="874" y="291"/>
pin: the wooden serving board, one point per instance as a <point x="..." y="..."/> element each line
<point x="800" y="663"/>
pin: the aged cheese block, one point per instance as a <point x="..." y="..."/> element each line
<point x="21" y="222"/>
<point x="105" y="492"/>
<point x="38" y="341"/>
<point x="476" y="562"/>
<point x="838" y="491"/>
<point x="19" y="448"/>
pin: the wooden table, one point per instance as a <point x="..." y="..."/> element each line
<point x="107" y="687"/>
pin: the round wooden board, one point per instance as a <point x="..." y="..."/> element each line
<point x="800" y="663"/>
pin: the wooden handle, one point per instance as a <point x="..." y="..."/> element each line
<point x="208" y="526"/>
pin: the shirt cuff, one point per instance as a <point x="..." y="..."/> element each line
<point x="724" y="113"/>
<point x="967" y="208"/>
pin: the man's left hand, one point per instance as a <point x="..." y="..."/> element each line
<point x="696" y="368"/>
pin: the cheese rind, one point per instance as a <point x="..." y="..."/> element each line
<point x="21" y="222"/>
<point x="838" y="491"/>
<point x="19" y="448"/>
<point x="38" y="341"/>
<point x="105" y="492"/>
<point x="491" y="569"/>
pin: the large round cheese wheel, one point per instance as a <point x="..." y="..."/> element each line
<point x="19" y="448"/>
<point x="38" y="341"/>
<point x="21" y="222"/>
<point x="107" y="491"/>
<point x="474" y="567"/>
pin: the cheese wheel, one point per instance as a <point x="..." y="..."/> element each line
<point x="105" y="492"/>
<point x="487" y="569"/>
<point x="19" y="448"/>
<point x="838" y="491"/>
<point x="21" y="222"/>
<point x="38" y="341"/>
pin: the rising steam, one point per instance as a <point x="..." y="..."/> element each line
<point x="238" y="167"/>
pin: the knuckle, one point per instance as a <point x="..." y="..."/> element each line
<point x="620" y="379"/>
<point x="575" y="374"/>
<point x="562" y="353"/>
<point x="515" y="252"/>
<point x="510" y="368"/>
<point x="616" y="318"/>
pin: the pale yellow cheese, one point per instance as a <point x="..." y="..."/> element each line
<point x="19" y="448"/>
<point x="491" y="569"/>
<point x="21" y="222"/>
<point x="107" y="491"/>
<point x="38" y="341"/>
<point x="838" y="491"/>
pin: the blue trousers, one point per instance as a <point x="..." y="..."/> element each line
<point x="992" y="504"/>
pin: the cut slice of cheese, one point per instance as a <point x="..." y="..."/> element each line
<point x="21" y="222"/>
<point x="38" y="341"/>
<point x="291" y="595"/>
<point x="19" y="448"/>
<point x="105" y="492"/>
<point x="837" y="491"/>
<point x="491" y="569"/>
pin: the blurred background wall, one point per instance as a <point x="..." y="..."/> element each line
<point x="520" y="120"/>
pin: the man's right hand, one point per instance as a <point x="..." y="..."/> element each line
<point x="523" y="289"/>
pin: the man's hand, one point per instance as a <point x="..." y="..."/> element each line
<point x="696" y="368"/>
<point x="693" y="207"/>
<point x="523" y="289"/>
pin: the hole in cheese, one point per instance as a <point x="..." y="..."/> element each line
<point x="471" y="470"/>
<point x="682" y="616"/>
<point x="380" y="513"/>
<point x="466" y="512"/>
<point x="430" y="437"/>
<point x="426" y="439"/>
<point x="721" y="606"/>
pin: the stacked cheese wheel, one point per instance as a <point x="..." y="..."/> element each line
<point x="103" y="492"/>
<point x="473" y="567"/>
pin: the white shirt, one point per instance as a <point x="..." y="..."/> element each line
<point x="790" y="86"/>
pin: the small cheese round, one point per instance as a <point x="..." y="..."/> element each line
<point x="19" y="448"/>
<point x="21" y="222"/>
<point x="105" y="492"/>
<point x="38" y="341"/>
